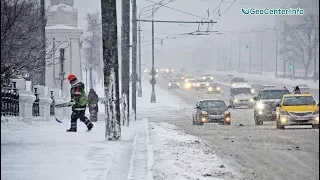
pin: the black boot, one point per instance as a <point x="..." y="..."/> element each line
<point x="72" y="130"/>
<point x="90" y="126"/>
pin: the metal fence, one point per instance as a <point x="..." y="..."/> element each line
<point x="35" y="106"/>
<point x="52" y="113"/>
<point x="9" y="101"/>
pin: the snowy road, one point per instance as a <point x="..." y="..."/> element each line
<point x="260" y="152"/>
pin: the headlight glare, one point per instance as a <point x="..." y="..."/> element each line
<point x="260" y="105"/>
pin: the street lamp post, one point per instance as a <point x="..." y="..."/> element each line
<point x="153" y="72"/>
<point x="139" y="34"/>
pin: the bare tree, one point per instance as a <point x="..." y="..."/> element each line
<point x="93" y="43"/>
<point x="22" y="40"/>
<point x="302" y="41"/>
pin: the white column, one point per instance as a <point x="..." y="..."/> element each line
<point x="26" y="97"/>
<point x="44" y="101"/>
<point x="76" y="60"/>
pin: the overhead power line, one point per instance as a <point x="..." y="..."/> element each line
<point x="180" y="10"/>
<point x="187" y="22"/>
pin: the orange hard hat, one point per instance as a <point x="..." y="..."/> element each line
<point x="71" y="77"/>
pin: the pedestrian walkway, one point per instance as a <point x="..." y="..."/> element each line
<point x="36" y="151"/>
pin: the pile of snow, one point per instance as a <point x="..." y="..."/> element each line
<point x="181" y="156"/>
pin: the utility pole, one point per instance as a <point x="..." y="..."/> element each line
<point x="315" y="64"/>
<point x="125" y="53"/>
<point x="42" y="64"/>
<point x="111" y="69"/>
<point x="62" y="73"/>
<point x="276" y="53"/>
<point x="54" y="60"/>
<point x="140" y="75"/>
<point x="239" y="64"/>
<point x="231" y="53"/>
<point x="250" y="48"/>
<point x="261" y="64"/>
<point x="285" y="48"/>
<point x="134" y="58"/>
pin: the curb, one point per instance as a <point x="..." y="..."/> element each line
<point x="140" y="160"/>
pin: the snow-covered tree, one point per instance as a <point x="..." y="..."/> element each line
<point x="21" y="40"/>
<point x="301" y="41"/>
<point x="93" y="47"/>
<point x="110" y="69"/>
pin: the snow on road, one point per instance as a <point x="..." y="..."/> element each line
<point x="180" y="156"/>
<point x="257" y="152"/>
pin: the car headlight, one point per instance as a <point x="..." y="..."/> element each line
<point x="233" y="84"/>
<point x="218" y="88"/>
<point x="252" y="91"/>
<point x="235" y="100"/>
<point x="284" y="113"/>
<point x="211" y="78"/>
<point x="207" y="84"/>
<point x="182" y="77"/>
<point x="186" y="80"/>
<point x="169" y="84"/>
<point x="210" y="89"/>
<point x="204" y="112"/>
<point x="251" y="100"/>
<point x="203" y="77"/>
<point x="178" y="84"/>
<point x="260" y="105"/>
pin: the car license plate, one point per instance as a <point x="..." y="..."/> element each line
<point x="215" y="116"/>
<point x="301" y="118"/>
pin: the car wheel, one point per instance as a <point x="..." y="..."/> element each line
<point x="258" y="120"/>
<point x="315" y="126"/>
<point x="279" y="126"/>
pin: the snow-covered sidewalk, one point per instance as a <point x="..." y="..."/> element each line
<point x="37" y="150"/>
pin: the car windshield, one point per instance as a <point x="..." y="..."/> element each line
<point x="273" y="94"/>
<point x="235" y="80"/>
<point x="213" y="104"/>
<point x="207" y="75"/>
<point x="235" y="91"/>
<point x="214" y="84"/>
<point x="299" y="101"/>
<point x="201" y="80"/>
<point x="174" y="80"/>
<point x="256" y="86"/>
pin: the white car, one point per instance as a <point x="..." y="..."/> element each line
<point x="304" y="89"/>
<point x="240" y="95"/>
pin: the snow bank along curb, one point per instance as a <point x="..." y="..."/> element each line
<point x="182" y="156"/>
<point x="140" y="159"/>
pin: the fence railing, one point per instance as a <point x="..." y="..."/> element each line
<point x="9" y="101"/>
<point x="35" y="106"/>
<point x="52" y="113"/>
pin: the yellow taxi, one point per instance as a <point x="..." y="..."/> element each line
<point x="297" y="109"/>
